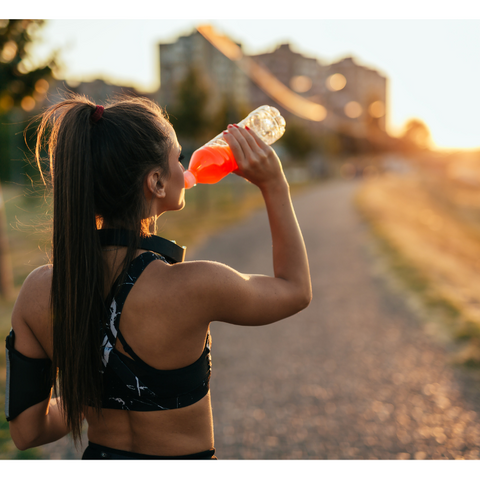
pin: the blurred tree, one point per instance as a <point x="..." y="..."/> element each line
<point x="330" y="144"/>
<point x="22" y="85"/>
<point x="297" y="140"/>
<point x="229" y="112"/>
<point x="226" y="114"/>
<point x="18" y="74"/>
<point x="189" y="115"/>
<point x="416" y="135"/>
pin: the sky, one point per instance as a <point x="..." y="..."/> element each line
<point x="431" y="64"/>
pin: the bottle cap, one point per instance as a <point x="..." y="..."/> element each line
<point x="190" y="180"/>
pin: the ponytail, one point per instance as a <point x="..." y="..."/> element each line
<point x="98" y="169"/>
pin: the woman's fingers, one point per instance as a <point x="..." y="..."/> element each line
<point x="240" y="148"/>
<point x="240" y="136"/>
<point x="234" y="146"/>
<point x="259" y="142"/>
<point x="253" y="140"/>
<point x="257" y="162"/>
<point x="247" y="142"/>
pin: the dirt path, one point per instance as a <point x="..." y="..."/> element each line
<point x="354" y="376"/>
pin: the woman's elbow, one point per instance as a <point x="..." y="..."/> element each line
<point x="22" y="446"/>
<point x="303" y="299"/>
<point x="20" y="441"/>
<point x="307" y="298"/>
<point x="23" y="438"/>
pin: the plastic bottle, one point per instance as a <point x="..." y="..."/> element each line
<point x="214" y="161"/>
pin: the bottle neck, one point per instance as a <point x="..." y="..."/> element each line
<point x="190" y="180"/>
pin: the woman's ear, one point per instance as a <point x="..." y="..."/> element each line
<point x="155" y="184"/>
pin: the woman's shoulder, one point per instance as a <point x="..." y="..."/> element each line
<point x="40" y="273"/>
<point x="188" y="283"/>
<point x="199" y="273"/>
<point x="35" y="292"/>
<point x="201" y="286"/>
<point x="39" y="280"/>
<point x="201" y="266"/>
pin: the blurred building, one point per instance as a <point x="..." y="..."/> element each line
<point x="354" y="96"/>
<point x="223" y="77"/>
<point x="303" y="75"/>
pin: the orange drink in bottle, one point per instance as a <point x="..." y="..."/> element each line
<point x="209" y="164"/>
<point x="215" y="160"/>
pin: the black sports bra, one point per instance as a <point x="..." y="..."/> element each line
<point x="130" y="383"/>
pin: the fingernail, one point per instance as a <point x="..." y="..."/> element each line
<point x="225" y="132"/>
<point x="246" y="127"/>
<point x="235" y="125"/>
<point x="230" y="126"/>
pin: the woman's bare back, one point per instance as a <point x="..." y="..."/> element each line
<point x="163" y="332"/>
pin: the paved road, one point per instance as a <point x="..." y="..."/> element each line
<point x="354" y="376"/>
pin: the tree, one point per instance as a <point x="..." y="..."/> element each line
<point x="22" y="85"/>
<point x="18" y="75"/>
<point x="416" y="135"/>
<point x="189" y="116"/>
<point x="228" y="112"/>
<point x="297" y="140"/>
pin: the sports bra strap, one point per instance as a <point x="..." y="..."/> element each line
<point x="127" y="347"/>
<point x="117" y="297"/>
<point x="136" y="268"/>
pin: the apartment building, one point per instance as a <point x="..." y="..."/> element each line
<point x="353" y="95"/>
<point x="223" y="77"/>
<point x="357" y="96"/>
<point x="301" y="74"/>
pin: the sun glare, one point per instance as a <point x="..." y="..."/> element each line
<point x="9" y="51"/>
<point x="336" y="82"/>
<point x="377" y="109"/>
<point x="301" y="83"/>
<point x="28" y="103"/>
<point x="42" y="86"/>
<point x="353" y="109"/>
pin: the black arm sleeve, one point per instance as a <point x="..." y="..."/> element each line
<point x="29" y="380"/>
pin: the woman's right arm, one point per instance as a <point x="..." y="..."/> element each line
<point x="43" y="422"/>
<point x="233" y="297"/>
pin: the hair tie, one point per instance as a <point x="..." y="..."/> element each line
<point x="97" y="114"/>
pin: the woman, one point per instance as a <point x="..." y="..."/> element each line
<point x="141" y="383"/>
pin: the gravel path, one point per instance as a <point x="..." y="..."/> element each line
<point x="354" y="376"/>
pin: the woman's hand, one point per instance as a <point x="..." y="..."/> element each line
<point x="257" y="162"/>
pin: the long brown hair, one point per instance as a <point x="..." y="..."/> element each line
<point x="98" y="170"/>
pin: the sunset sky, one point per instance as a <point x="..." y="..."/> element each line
<point x="432" y="65"/>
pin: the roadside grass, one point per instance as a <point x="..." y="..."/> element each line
<point x="428" y="227"/>
<point x="208" y="210"/>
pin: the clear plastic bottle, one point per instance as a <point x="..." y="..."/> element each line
<point x="214" y="161"/>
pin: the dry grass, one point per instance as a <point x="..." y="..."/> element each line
<point x="429" y="221"/>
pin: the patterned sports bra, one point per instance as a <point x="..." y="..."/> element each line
<point x="130" y="383"/>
